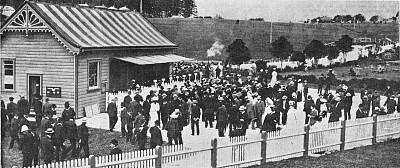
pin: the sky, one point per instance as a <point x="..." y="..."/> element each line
<point x="295" y="10"/>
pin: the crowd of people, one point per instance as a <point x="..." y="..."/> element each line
<point x="40" y="134"/>
<point x="232" y="104"/>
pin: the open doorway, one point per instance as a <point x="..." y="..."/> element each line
<point x="34" y="86"/>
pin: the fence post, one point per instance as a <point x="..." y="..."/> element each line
<point x="92" y="161"/>
<point x="306" y="139"/>
<point x="214" y="153"/>
<point x="343" y="135"/>
<point x="159" y="157"/>
<point x="374" y="129"/>
<point x="263" y="147"/>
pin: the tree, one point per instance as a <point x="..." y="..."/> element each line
<point x="238" y="52"/>
<point x="374" y="18"/>
<point x="281" y="48"/>
<point x="188" y="8"/>
<point x="359" y="18"/>
<point x="315" y="49"/>
<point x="298" y="56"/>
<point x="338" y="18"/>
<point x="333" y="52"/>
<point x="348" y="18"/>
<point x="345" y="45"/>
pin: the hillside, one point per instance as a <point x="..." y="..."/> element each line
<point x="195" y="36"/>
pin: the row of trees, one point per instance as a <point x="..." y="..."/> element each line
<point x="359" y="18"/>
<point x="150" y="8"/>
<point x="283" y="49"/>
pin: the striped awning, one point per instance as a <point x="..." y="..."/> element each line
<point x="100" y="28"/>
<point x="154" y="59"/>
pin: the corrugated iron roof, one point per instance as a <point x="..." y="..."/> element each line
<point x="100" y="28"/>
<point x="154" y="59"/>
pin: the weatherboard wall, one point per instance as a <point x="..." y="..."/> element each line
<point x="39" y="53"/>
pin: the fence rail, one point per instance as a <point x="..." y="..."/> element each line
<point x="247" y="151"/>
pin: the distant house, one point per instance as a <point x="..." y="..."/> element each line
<point x="78" y="54"/>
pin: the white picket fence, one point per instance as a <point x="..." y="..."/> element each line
<point x="259" y="149"/>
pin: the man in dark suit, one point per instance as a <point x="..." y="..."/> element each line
<point x="11" y="109"/>
<point x="222" y="119"/>
<point x="336" y="110"/>
<point x="155" y="135"/>
<point x="71" y="133"/>
<point x="391" y="104"/>
<point x="284" y="107"/>
<point x="195" y="117"/>
<point x="47" y="146"/>
<point x="307" y="107"/>
<point x="29" y="145"/>
<point x="23" y="106"/>
<point x="112" y="114"/>
<point x="83" y="136"/>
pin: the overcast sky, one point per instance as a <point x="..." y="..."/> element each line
<point x="295" y="10"/>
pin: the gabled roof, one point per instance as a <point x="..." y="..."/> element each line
<point x="86" y="28"/>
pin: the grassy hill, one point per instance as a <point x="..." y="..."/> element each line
<point x="195" y="36"/>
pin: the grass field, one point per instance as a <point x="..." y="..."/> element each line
<point x="383" y="155"/>
<point x="195" y="36"/>
<point x="99" y="145"/>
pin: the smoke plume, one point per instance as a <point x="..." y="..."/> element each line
<point x="215" y="49"/>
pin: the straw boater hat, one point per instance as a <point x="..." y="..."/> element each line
<point x="195" y="101"/>
<point x="348" y="94"/>
<point x="155" y="98"/>
<point x="32" y="112"/>
<point x="24" y="128"/>
<point x="241" y="108"/>
<point x="49" y="131"/>
<point x="284" y="97"/>
<point x="220" y="99"/>
<point x="337" y="99"/>
<point x="324" y="100"/>
<point x="175" y="114"/>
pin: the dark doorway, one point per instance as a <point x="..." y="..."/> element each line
<point x="34" y="86"/>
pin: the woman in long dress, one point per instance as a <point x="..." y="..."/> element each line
<point x="293" y="118"/>
<point x="268" y="104"/>
<point x="154" y="108"/>
<point x="274" y="75"/>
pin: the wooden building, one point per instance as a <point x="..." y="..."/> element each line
<point x="77" y="54"/>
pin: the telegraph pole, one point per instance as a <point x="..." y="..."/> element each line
<point x="141" y="6"/>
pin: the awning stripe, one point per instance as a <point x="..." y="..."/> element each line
<point x="83" y="28"/>
<point x="136" y="27"/>
<point x="65" y="18"/>
<point x="90" y="25"/>
<point x="145" y="30"/>
<point x="103" y="27"/>
<point x="87" y="27"/>
<point x="62" y="27"/>
<point x="134" y="36"/>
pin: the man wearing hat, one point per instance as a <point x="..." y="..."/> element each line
<point x="112" y="114"/>
<point x="47" y="106"/>
<point x="347" y="103"/>
<point x="29" y="145"/>
<point x="47" y="146"/>
<point x="195" y="117"/>
<point x="37" y="106"/>
<point x="45" y="124"/>
<point x="259" y="107"/>
<point x="68" y="112"/>
<point x="391" y="104"/>
<point x="115" y="149"/>
<point x="23" y="106"/>
<point x="71" y="133"/>
<point x="11" y="108"/>
<point x="222" y="120"/>
<point x="173" y="128"/>
<point x="307" y="107"/>
<point x="361" y="112"/>
<point x="83" y="138"/>
<point x="336" y="110"/>
<point x="14" y="131"/>
<point x="283" y="109"/>
<point x="127" y="99"/>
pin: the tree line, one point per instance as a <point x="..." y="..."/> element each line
<point x="283" y="49"/>
<point x="150" y="8"/>
<point x="359" y="18"/>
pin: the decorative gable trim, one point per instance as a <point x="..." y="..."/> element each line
<point x="28" y="20"/>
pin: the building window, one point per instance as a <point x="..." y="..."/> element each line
<point x="94" y="74"/>
<point x="8" y="67"/>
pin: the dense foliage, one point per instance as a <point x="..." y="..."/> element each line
<point x="315" y="49"/>
<point x="238" y="52"/>
<point x="281" y="48"/>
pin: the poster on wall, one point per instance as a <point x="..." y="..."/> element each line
<point x="53" y="92"/>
